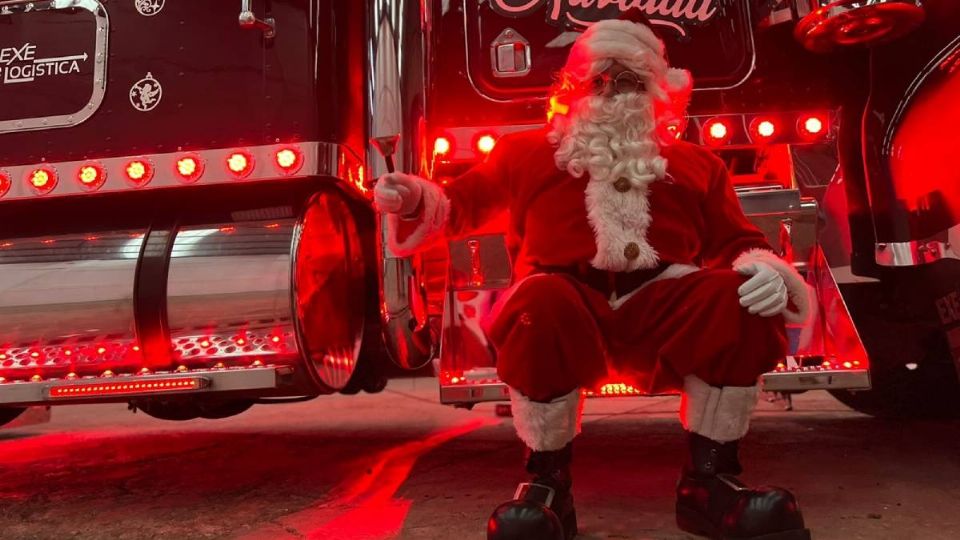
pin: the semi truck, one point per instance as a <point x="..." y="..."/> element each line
<point x="186" y="221"/>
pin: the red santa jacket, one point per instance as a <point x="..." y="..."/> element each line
<point x="691" y="217"/>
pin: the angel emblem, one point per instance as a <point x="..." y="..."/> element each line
<point x="145" y="95"/>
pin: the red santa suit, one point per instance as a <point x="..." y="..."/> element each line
<point x="631" y="262"/>
<point x="626" y="253"/>
<point x="556" y="332"/>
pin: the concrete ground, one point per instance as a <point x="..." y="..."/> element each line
<point x="397" y="465"/>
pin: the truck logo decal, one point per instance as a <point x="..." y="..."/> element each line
<point x="21" y="65"/>
<point x="673" y="14"/>
<point x="146" y="93"/>
<point x="149" y="8"/>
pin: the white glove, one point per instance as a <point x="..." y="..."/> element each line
<point x="398" y="193"/>
<point x="764" y="293"/>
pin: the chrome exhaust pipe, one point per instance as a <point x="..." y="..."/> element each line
<point x="395" y="90"/>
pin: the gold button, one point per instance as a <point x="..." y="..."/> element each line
<point x="622" y="185"/>
<point x="631" y="251"/>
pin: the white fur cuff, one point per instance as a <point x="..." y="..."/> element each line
<point x="797" y="288"/>
<point x="721" y="414"/>
<point x="433" y="221"/>
<point x="546" y="426"/>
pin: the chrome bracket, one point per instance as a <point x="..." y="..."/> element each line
<point x="913" y="252"/>
<point x="249" y="20"/>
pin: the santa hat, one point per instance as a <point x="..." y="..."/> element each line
<point x="629" y="41"/>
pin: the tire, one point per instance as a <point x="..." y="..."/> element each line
<point x="180" y="410"/>
<point x="224" y="409"/>
<point x="164" y="409"/>
<point x="9" y="414"/>
<point x="911" y="368"/>
<point x="930" y="391"/>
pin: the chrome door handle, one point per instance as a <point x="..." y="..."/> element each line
<point x="249" y="20"/>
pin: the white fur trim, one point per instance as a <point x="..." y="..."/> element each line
<point x="617" y="220"/>
<point x="547" y="426"/>
<point x="635" y="46"/>
<point x="674" y="271"/>
<point x="431" y="226"/>
<point x="721" y="414"/>
<point x="797" y="288"/>
<point x="678" y="80"/>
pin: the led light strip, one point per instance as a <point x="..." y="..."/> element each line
<point x="175" y="169"/>
<point x="740" y="129"/>
<point x="126" y="388"/>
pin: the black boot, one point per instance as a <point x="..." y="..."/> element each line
<point x="543" y="508"/>
<point x="712" y="502"/>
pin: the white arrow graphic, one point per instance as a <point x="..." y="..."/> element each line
<point x="61" y="59"/>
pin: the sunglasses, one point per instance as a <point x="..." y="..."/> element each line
<point x="624" y="83"/>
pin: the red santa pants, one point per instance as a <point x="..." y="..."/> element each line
<point x="555" y="334"/>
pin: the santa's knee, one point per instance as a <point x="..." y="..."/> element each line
<point x="762" y="342"/>
<point x="547" y="340"/>
<point x="545" y="300"/>
<point x="752" y="344"/>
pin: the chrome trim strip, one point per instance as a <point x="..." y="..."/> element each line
<point x="222" y="380"/>
<point x="99" y="69"/>
<point x="474" y="393"/>
<point x="910" y="94"/>
<point x="319" y="159"/>
<point x="771" y="201"/>
<point x="821" y="379"/>
<point x="838" y="8"/>
<point x="912" y="253"/>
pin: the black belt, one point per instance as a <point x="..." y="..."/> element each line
<point x="608" y="283"/>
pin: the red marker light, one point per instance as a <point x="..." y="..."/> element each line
<point x="42" y="180"/>
<point x="91" y="176"/>
<point x="189" y="168"/>
<point x="289" y="159"/>
<point x="486" y="143"/>
<point x="139" y="172"/>
<point x="812" y="126"/>
<point x="716" y="132"/>
<point x="763" y="129"/>
<point x="240" y="164"/>
<point x="5" y="183"/>
<point x="442" y="146"/>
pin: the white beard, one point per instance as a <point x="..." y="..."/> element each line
<point x="611" y="138"/>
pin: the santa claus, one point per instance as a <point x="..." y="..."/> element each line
<point x="636" y="264"/>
